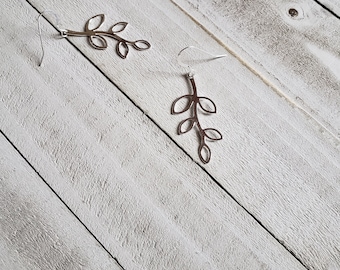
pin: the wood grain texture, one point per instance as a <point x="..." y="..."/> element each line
<point x="296" y="55"/>
<point x="36" y="230"/>
<point x="145" y="198"/>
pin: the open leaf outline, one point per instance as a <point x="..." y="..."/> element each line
<point x="101" y="18"/>
<point x="141" y="45"/>
<point x="212" y="134"/>
<point x="122" y="49"/>
<point x="204" y="153"/>
<point x="97" y="46"/>
<point x="182" y="125"/>
<point x="206" y="104"/>
<point x="189" y="102"/>
<point x="118" y="27"/>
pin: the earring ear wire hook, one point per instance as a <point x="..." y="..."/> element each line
<point x="186" y="65"/>
<point x="62" y="32"/>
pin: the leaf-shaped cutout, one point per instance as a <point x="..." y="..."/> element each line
<point x="98" y="42"/>
<point x="185" y="126"/>
<point x="204" y="153"/>
<point x="122" y="49"/>
<point x="213" y="134"/>
<point x="141" y="45"/>
<point x="118" y="27"/>
<point x="181" y="104"/>
<point x="207" y="105"/>
<point x="95" y="20"/>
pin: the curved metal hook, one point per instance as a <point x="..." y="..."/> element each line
<point x="40" y="33"/>
<point x="192" y="72"/>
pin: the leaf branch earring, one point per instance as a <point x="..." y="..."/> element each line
<point x="96" y="37"/>
<point x="196" y="103"/>
<point x="122" y="48"/>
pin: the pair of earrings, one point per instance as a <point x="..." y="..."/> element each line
<point x="192" y="102"/>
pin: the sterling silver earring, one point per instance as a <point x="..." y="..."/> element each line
<point x="97" y="40"/>
<point x="195" y="104"/>
<point x="96" y="37"/>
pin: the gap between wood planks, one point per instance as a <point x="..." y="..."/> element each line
<point x="168" y="135"/>
<point x="327" y="8"/>
<point x="258" y="74"/>
<point x="47" y="184"/>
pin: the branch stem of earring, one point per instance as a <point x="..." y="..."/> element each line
<point x="71" y="33"/>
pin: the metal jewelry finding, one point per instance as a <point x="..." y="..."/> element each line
<point x="195" y="103"/>
<point x="97" y="40"/>
<point x="207" y="106"/>
<point x="96" y="37"/>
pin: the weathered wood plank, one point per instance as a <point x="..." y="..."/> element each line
<point x="332" y="6"/>
<point x="297" y="55"/>
<point x="247" y="28"/>
<point x="274" y="155"/>
<point x="146" y="201"/>
<point x="37" y="231"/>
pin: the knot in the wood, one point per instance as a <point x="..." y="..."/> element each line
<point x="293" y="12"/>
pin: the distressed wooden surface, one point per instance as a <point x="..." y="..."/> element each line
<point x="125" y="186"/>
<point x="36" y="230"/>
<point x="331" y="5"/>
<point x="119" y="168"/>
<point x="297" y="55"/>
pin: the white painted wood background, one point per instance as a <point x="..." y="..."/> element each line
<point x="93" y="175"/>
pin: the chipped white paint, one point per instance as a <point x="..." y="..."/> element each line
<point x="144" y="199"/>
